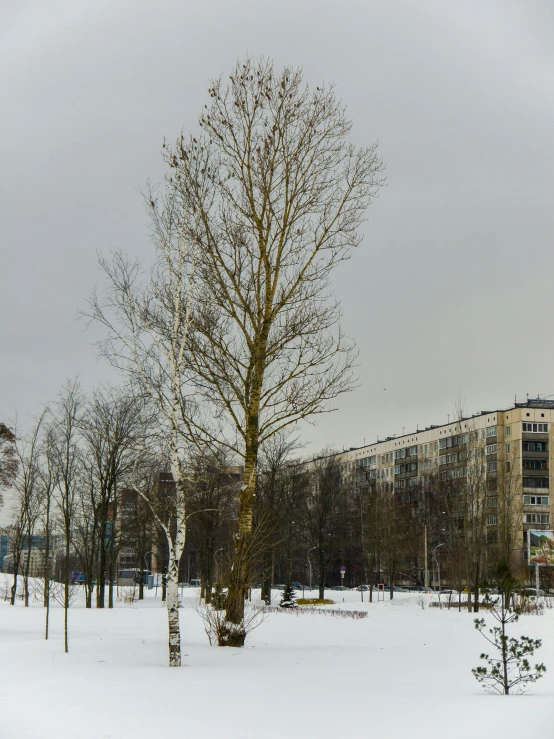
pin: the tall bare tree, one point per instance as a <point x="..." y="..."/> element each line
<point x="272" y="194"/>
<point x="146" y="314"/>
<point x="111" y="426"/>
<point x="326" y="484"/>
<point x="27" y="485"/>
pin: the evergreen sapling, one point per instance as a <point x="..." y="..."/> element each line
<point x="289" y="597"/>
<point x="511" y="668"/>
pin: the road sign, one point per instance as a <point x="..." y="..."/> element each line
<point x="343" y="569"/>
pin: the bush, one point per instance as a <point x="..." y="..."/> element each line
<point x="315" y="602"/>
<point x="220" y="632"/>
<point x="453" y="605"/>
<point x="334" y="612"/>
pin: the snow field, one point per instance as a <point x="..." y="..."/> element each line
<point x="401" y="672"/>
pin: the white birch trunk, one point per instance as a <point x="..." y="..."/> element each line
<point x="173" y="611"/>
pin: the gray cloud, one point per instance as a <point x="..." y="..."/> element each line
<point x="451" y="290"/>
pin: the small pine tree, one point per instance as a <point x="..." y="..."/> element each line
<point x="511" y="669"/>
<point x="288" y="599"/>
<point x="218" y="598"/>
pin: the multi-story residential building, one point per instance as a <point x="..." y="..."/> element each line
<point x="506" y="454"/>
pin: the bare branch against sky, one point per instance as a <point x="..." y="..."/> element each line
<point x="450" y="292"/>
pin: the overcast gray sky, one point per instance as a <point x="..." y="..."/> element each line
<point x="451" y="291"/>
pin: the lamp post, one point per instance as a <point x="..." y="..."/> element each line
<point x="438" y="566"/>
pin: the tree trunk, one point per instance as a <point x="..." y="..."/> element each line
<point x="321" y="579"/>
<point x="47" y="562"/>
<point x="112" y="570"/>
<point x="16" y="564"/>
<point x="66" y="593"/>
<point x="172" y="580"/>
<point x="27" y="570"/>
<point x="476" y="590"/>
<point x="238" y="583"/>
<point x="101" y="579"/>
<point x="504" y="648"/>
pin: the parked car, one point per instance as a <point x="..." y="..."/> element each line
<point x="278" y="587"/>
<point x="339" y="587"/>
<point x="419" y="589"/>
<point x="449" y="591"/>
<point x="398" y="589"/>
<point x="366" y="588"/>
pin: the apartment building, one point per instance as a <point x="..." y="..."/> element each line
<point x="509" y="449"/>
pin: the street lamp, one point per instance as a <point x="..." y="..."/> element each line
<point x="438" y="566"/>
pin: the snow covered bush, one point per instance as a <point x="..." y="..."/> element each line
<point x="218" y="629"/>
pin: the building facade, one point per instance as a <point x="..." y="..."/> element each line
<point x="504" y="457"/>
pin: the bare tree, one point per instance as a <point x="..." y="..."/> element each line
<point x="111" y="426"/>
<point x="47" y="487"/>
<point x="67" y="456"/>
<point x="27" y="484"/>
<point x="273" y="195"/>
<point x="147" y="318"/>
<point x="326" y="482"/>
<point x="278" y="493"/>
<point x="213" y="483"/>
<point x="86" y="529"/>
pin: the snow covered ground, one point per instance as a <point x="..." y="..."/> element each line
<point x="402" y="672"/>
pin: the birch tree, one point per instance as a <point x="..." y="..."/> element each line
<point x="145" y="311"/>
<point x="272" y="195"/>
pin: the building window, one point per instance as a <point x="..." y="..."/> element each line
<point x="535" y="446"/>
<point x="507" y="430"/>
<point x="535" y="464"/>
<point x="535" y="500"/>
<point x="537" y="518"/>
<point x="535" y="428"/>
<point x="491" y="431"/>
<point x="491" y="467"/>
<point x="492" y="520"/>
<point x="507" y="446"/>
<point x="535" y="482"/>
<point x="492" y="502"/>
<point x="490" y="449"/>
